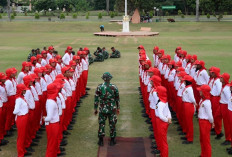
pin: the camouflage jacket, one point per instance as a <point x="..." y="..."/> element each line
<point x="116" y="53"/>
<point x="108" y="96"/>
<point x="30" y="55"/>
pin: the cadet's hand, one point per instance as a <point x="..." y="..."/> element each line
<point x="118" y="111"/>
<point x="213" y="125"/>
<point x="96" y="112"/>
<point x="169" y="121"/>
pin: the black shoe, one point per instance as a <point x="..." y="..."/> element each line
<point x="39" y="132"/>
<point x="27" y="154"/>
<point x="229" y="149"/>
<point x="29" y="149"/>
<point x="34" y="144"/>
<point x="8" y="134"/>
<point x="144" y="115"/>
<point x="3" y="142"/>
<point x="212" y="130"/>
<point x="151" y="136"/>
<point x="143" y="111"/>
<point x="176" y="123"/>
<point x="182" y="133"/>
<point x="153" y="143"/>
<point x="35" y="140"/>
<point x="112" y="142"/>
<point x="179" y="129"/>
<point x="62" y="149"/>
<point x="226" y="143"/>
<point x="187" y="142"/>
<point x="154" y="147"/>
<point x="156" y="151"/>
<point x="63" y="143"/>
<point x="72" y="122"/>
<point x="100" y="142"/>
<point x="183" y="138"/>
<point x="87" y="88"/>
<point x="70" y="128"/>
<point x="61" y="154"/>
<point x="66" y="133"/>
<point x="219" y="136"/>
<point x="230" y="152"/>
<point x="38" y="137"/>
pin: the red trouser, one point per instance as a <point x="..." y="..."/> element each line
<point x="189" y="112"/>
<point x="162" y="134"/>
<point x="157" y="127"/>
<point x="182" y="117"/>
<point x="9" y="112"/>
<point x="230" y="119"/>
<point x="85" y="78"/>
<point x="3" y="111"/>
<point x="44" y="103"/>
<point x="30" y="127"/>
<point x="37" y="115"/>
<point x="224" y="112"/>
<point x="52" y="139"/>
<point x="205" y="127"/>
<point x="21" y="123"/>
<point x="68" y="112"/>
<point x="216" y="114"/>
<point x="74" y="100"/>
<point x="179" y="109"/>
<point x="78" y="94"/>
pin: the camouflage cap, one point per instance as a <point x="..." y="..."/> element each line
<point x="107" y="75"/>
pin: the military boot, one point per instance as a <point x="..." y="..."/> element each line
<point x="112" y="142"/>
<point x="100" y="142"/>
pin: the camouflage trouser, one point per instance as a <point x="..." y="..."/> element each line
<point x="115" y="56"/>
<point x="106" y="55"/>
<point x="99" y="58"/>
<point x="112" y="122"/>
<point x="91" y="60"/>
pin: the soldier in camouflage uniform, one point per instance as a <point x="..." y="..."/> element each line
<point x="115" y="53"/>
<point x="105" y="53"/>
<point x="33" y="53"/>
<point x="108" y="96"/>
<point x="99" y="56"/>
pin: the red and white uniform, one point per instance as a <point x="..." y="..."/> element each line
<point x="20" y="77"/>
<point x="67" y="58"/>
<point x="205" y="117"/>
<point x="202" y="77"/>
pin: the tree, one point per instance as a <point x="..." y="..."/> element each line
<point x="197" y="10"/>
<point x="8" y="10"/>
<point x="107" y="6"/>
<point x="67" y="4"/>
<point x="82" y="5"/>
<point x="45" y="5"/>
<point x="3" y="3"/>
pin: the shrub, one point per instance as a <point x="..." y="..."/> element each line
<point x="192" y="13"/>
<point x="74" y="15"/>
<point x="37" y="16"/>
<point x="179" y="12"/>
<point x="225" y="13"/>
<point x="12" y="17"/>
<point x="99" y="15"/>
<point x="116" y="13"/>
<point x="49" y="19"/>
<point x="112" y="14"/>
<point x="62" y="16"/>
<point x="87" y="15"/>
<point x="208" y="16"/>
<point x="0" y="16"/>
<point x="166" y="13"/>
<point x="14" y="13"/>
<point x="151" y="14"/>
<point x="182" y="15"/>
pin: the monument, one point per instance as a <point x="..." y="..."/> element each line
<point x="126" y="19"/>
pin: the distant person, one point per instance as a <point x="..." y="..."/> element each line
<point x="37" y="51"/>
<point x="105" y="53"/>
<point x="98" y="55"/>
<point x="33" y="53"/>
<point x="102" y="28"/>
<point x="115" y="53"/>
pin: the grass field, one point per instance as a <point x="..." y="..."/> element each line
<point x="210" y="41"/>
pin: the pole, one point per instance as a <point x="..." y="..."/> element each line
<point x="8" y="10"/>
<point x="197" y="10"/>
<point x="125" y="7"/>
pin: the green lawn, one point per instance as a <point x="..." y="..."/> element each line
<point x="210" y="41"/>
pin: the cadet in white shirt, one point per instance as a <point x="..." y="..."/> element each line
<point x="225" y="98"/>
<point x="206" y="121"/>
<point x="67" y="56"/>
<point x="230" y="117"/>
<point x="21" y="111"/>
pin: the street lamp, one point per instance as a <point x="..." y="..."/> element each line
<point x="154" y="10"/>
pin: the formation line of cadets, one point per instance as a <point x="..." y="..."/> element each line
<point x="46" y="93"/>
<point x="174" y="90"/>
